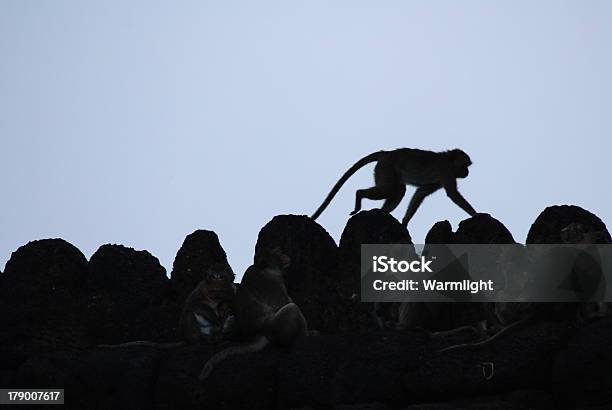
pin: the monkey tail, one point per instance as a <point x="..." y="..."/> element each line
<point x="146" y="343"/>
<point x="255" y="346"/>
<point x="508" y="329"/>
<point x="359" y="164"/>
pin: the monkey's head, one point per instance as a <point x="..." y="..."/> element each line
<point x="461" y="161"/>
<point x="271" y="258"/>
<point x="218" y="278"/>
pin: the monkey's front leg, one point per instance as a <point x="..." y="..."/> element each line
<point x="417" y="199"/>
<point x="458" y="199"/>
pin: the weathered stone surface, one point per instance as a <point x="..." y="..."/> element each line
<point x="547" y="229"/>
<point x="367" y="227"/>
<point x="520" y="399"/>
<point x="52" y="303"/>
<point x="548" y="225"/>
<point x="246" y="381"/>
<point x="310" y="279"/>
<point x="581" y="373"/>
<point x="440" y="233"/>
<point x="482" y="229"/>
<point x="45" y="268"/>
<point x="391" y="368"/>
<point x="96" y="379"/>
<point x="199" y="251"/>
<point x="522" y="360"/>
<point x="41" y="299"/>
<point x="130" y="295"/>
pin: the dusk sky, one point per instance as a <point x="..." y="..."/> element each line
<point x="137" y="122"/>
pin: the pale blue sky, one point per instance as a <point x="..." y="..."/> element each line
<point x="137" y="122"/>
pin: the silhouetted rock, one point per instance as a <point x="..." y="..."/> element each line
<point x="310" y="277"/>
<point x="547" y="229"/>
<point x="199" y="251"/>
<point x="130" y="296"/>
<point x="373" y="226"/>
<point x="390" y="368"/>
<point x="122" y="378"/>
<point x="581" y="373"/>
<point x="45" y="267"/>
<point x="440" y="233"/>
<point x="479" y="229"/>
<point x="246" y="381"/>
<point x="548" y="225"/>
<point x="366" y="227"/>
<point x="41" y="302"/>
<point x="54" y="306"/>
<point x="482" y="229"/>
<point x="519" y="399"/>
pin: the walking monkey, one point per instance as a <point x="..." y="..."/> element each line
<point x="426" y="170"/>
<point x="264" y="311"/>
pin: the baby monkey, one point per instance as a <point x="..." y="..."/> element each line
<point x="264" y="311"/>
<point x="426" y="170"/>
<point x="206" y="315"/>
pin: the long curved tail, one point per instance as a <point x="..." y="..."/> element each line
<point x="255" y="346"/>
<point x="359" y="164"/>
<point x="506" y="330"/>
<point x="146" y="343"/>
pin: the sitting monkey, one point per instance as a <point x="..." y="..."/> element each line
<point x="264" y="311"/>
<point x="207" y="314"/>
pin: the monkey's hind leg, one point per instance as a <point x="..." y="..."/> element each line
<point x="370" y="193"/>
<point x="287" y="324"/>
<point x="393" y="201"/>
<point x="257" y="345"/>
<point x="385" y="185"/>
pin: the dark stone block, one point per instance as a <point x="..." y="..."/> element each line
<point x="482" y="229"/>
<point x="42" y="303"/>
<point x="581" y="373"/>
<point x="548" y="225"/>
<point x="199" y="251"/>
<point x="440" y="233"/>
<point x="130" y="297"/>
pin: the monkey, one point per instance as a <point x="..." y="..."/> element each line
<point x="265" y="313"/>
<point x="426" y="170"/>
<point x="206" y="314"/>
